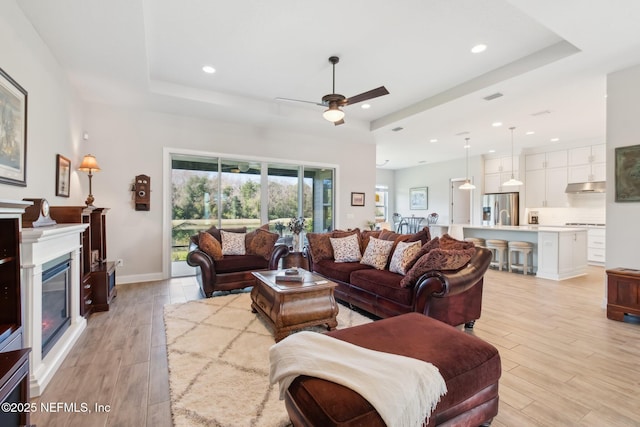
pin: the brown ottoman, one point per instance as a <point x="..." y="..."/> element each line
<point x="470" y="367"/>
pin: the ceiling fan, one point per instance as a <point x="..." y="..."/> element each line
<point x="334" y="101"/>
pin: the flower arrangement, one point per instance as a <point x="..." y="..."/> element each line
<point x="371" y="225"/>
<point x="296" y="225"/>
<point x="279" y="226"/>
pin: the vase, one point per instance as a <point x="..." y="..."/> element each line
<point x="297" y="245"/>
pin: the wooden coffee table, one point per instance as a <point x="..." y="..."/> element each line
<point x="288" y="306"/>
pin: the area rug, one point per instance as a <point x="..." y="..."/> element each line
<point x="218" y="353"/>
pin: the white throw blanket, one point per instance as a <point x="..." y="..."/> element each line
<point x="403" y="390"/>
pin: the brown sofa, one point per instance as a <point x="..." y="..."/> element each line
<point x="452" y="296"/>
<point x="230" y="272"/>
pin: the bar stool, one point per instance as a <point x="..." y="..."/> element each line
<point x="499" y="249"/>
<point x="476" y="241"/>
<point x="518" y="250"/>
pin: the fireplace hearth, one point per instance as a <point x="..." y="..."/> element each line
<point x="50" y="258"/>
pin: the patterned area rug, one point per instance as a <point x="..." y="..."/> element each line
<point x="218" y="353"/>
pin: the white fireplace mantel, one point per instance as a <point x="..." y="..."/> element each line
<point x="38" y="246"/>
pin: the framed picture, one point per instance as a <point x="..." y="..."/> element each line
<point x="627" y="174"/>
<point x="63" y="176"/>
<point x="357" y="199"/>
<point x="419" y="198"/>
<point x="13" y="132"/>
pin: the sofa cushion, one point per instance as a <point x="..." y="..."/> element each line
<point x="233" y="243"/>
<point x="236" y="263"/>
<point x="346" y="249"/>
<point x="319" y="246"/>
<point x="448" y="242"/>
<point x="365" y="235"/>
<point x="215" y="232"/>
<point x="261" y="242"/>
<point x="340" y="271"/>
<point x="438" y="259"/>
<point x="423" y="236"/>
<point x="210" y="245"/>
<point x="377" y="253"/>
<point x="404" y="255"/>
<point x="383" y="283"/>
<point x="431" y="244"/>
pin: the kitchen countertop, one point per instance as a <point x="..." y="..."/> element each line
<point x="530" y="228"/>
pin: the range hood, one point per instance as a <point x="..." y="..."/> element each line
<point x="586" y="187"/>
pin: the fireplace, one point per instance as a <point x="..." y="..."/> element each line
<point x="56" y="316"/>
<point x="50" y="259"/>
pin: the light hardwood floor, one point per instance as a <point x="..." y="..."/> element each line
<point x="564" y="363"/>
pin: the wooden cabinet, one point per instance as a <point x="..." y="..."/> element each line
<point x="98" y="275"/>
<point x="562" y="254"/>
<point x="596" y="238"/>
<point x="623" y="293"/>
<point x="587" y="164"/>
<point x="14" y="386"/>
<point x="497" y="171"/>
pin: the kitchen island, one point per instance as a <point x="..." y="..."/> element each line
<point x="558" y="252"/>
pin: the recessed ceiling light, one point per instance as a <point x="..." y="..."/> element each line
<point x="433" y="140"/>
<point x="208" y="69"/>
<point x="365" y="106"/>
<point x="479" y="48"/>
<point x="555" y="139"/>
<point x="466" y="146"/>
<point x="530" y="132"/>
<point x="496" y="124"/>
<point x="492" y="151"/>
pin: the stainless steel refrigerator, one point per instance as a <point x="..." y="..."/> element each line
<point x="500" y="209"/>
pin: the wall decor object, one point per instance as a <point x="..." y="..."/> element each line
<point x="357" y="199"/>
<point x="13" y="132"/>
<point x="142" y="192"/>
<point x="627" y="174"/>
<point x="63" y="175"/>
<point x="419" y="198"/>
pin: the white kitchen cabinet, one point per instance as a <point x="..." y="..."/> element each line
<point x="550" y="159"/>
<point x="587" y="164"/>
<point x="546" y="187"/>
<point x="596" y="238"/>
<point x="562" y="255"/>
<point x="497" y="171"/>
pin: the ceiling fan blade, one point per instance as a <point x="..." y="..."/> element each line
<point x="339" y="122"/>
<point x="373" y="93"/>
<point x="322" y="104"/>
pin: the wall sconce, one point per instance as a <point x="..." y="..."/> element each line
<point x="89" y="164"/>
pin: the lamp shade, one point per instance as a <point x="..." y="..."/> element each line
<point x="89" y="164"/>
<point x="467" y="186"/>
<point x="512" y="182"/>
<point x="333" y="113"/>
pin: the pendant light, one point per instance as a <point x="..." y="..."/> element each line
<point x="512" y="182"/>
<point x="467" y="182"/>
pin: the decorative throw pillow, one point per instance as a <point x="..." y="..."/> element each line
<point x="365" y="235"/>
<point x="346" y="249"/>
<point x="430" y="245"/>
<point x="261" y="242"/>
<point x="233" y="243"/>
<point x="210" y="245"/>
<point x="404" y="254"/>
<point x="215" y="232"/>
<point x="448" y="242"/>
<point x="377" y="253"/>
<point x="320" y="246"/>
<point x="423" y="236"/>
<point x="437" y="259"/>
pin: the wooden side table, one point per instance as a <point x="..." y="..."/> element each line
<point x="623" y="293"/>
<point x="295" y="259"/>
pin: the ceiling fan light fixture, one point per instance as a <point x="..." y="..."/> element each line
<point x="333" y="113"/>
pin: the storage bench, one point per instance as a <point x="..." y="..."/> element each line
<point x="470" y="367"/>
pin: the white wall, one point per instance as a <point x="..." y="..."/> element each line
<point x="129" y="142"/>
<point x="623" y="129"/>
<point x="437" y="178"/>
<point x="387" y="178"/>
<point x="53" y="116"/>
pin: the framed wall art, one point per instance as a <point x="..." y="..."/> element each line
<point x="419" y="198"/>
<point x="627" y="174"/>
<point x="13" y="131"/>
<point x="357" y="199"/>
<point x="63" y="175"/>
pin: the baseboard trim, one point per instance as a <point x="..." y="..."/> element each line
<point x="137" y="278"/>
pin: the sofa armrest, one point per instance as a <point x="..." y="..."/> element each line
<point x="279" y="251"/>
<point x="438" y="284"/>
<point x="206" y="273"/>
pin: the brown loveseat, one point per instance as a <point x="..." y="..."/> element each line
<point x="453" y="296"/>
<point x="217" y="272"/>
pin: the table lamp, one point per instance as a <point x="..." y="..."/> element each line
<point x="89" y="164"/>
